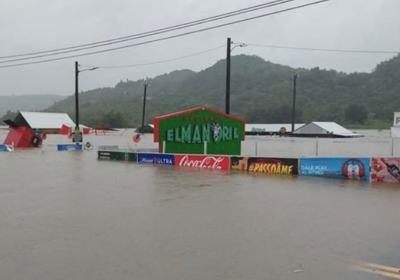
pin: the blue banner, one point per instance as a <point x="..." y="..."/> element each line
<point x="346" y="168"/>
<point x="156" y="159"/>
<point x="69" y="147"/>
<point x="4" y="148"/>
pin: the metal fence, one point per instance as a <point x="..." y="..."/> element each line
<point x="301" y="147"/>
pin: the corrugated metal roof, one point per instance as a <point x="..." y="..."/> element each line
<point x="330" y="127"/>
<point x="270" y="127"/>
<point x="47" y="120"/>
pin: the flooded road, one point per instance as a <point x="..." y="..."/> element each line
<point x="66" y="215"/>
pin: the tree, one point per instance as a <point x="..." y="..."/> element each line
<point x="113" y="119"/>
<point x="356" y="113"/>
<point x="261" y="91"/>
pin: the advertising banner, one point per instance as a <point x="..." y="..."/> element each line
<point x="279" y="166"/>
<point x="121" y="156"/>
<point x="5" y="148"/>
<point x="108" y="147"/>
<point x="212" y="162"/>
<point x="385" y="170"/>
<point x="239" y="163"/>
<point x="156" y="159"/>
<point x="346" y="168"/>
<point x="69" y="147"/>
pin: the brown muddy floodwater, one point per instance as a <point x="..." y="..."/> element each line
<point x="68" y="216"/>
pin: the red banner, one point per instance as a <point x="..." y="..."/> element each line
<point x="212" y="162"/>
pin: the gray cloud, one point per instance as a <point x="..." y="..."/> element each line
<point x="29" y="26"/>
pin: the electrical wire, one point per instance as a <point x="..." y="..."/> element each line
<point x="172" y="36"/>
<point x="324" y="50"/>
<point x="156" y="62"/>
<point x="245" y="44"/>
<point x="98" y="44"/>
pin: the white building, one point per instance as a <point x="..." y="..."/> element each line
<point x="269" y="128"/>
<point x="325" y="129"/>
<point x="46" y="122"/>
<point x="395" y="130"/>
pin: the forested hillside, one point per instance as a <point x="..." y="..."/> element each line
<point x="261" y="92"/>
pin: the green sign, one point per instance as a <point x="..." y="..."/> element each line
<point x="117" y="155"/>
<point x="199" y="131"/>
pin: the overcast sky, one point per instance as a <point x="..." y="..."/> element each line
<point x="31" y="26"/>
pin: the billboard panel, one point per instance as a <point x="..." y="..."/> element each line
<point x="385" y="170"/>
<point x="152" y="158"/>
<point x="239" y="163"/>
<point x="280" y="166"/>
<point x="396" y="120"/>
<point x="113" y="155"/>
<point x="346" y="168"/>
<point x="212" y="162"/>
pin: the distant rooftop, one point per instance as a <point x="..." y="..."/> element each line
<point x="326" y="128"/>
<point x="270" y="127"/>
<point x="47" y="120"/>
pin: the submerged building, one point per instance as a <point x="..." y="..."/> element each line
<point x="324" y="129"/>
<point x="45" y="122"/>
<point x="29" y="129"/>
<point x="270" y="128"/>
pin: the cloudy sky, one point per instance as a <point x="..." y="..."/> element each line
<point x="40" y="25"/>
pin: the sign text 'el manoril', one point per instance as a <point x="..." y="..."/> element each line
<point x="200" y="133"/>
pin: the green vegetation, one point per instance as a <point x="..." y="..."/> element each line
<point x="261" y="92"/>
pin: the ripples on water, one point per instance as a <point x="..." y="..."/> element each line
<point x="66" y="215"/>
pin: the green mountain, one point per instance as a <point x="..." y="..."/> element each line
<point x="261" y="91"/>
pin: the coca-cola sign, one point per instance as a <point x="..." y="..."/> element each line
<point x="212" y="162"/>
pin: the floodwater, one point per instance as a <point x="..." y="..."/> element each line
<point x="68" y="216"/>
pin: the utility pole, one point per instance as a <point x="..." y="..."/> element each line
<point x="76" y="95"/>
<point x="145" y="85"/>
<point x="77" y="133"/>
<point x="294" y="100"/>
<point x="228" y="76"/>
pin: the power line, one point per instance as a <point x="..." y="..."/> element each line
<point x="254" y="45"/>
<point x="98" y="44"/>
<point x="144" y="33"/>
<point x="158" y="62"/>
<point x="324" y="50"/>
<point x="170" y="37"/>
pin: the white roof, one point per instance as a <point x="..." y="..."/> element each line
<point x="270" y="127"/>
<point x="47" y="120"/>
<point x="326" y="127"/>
